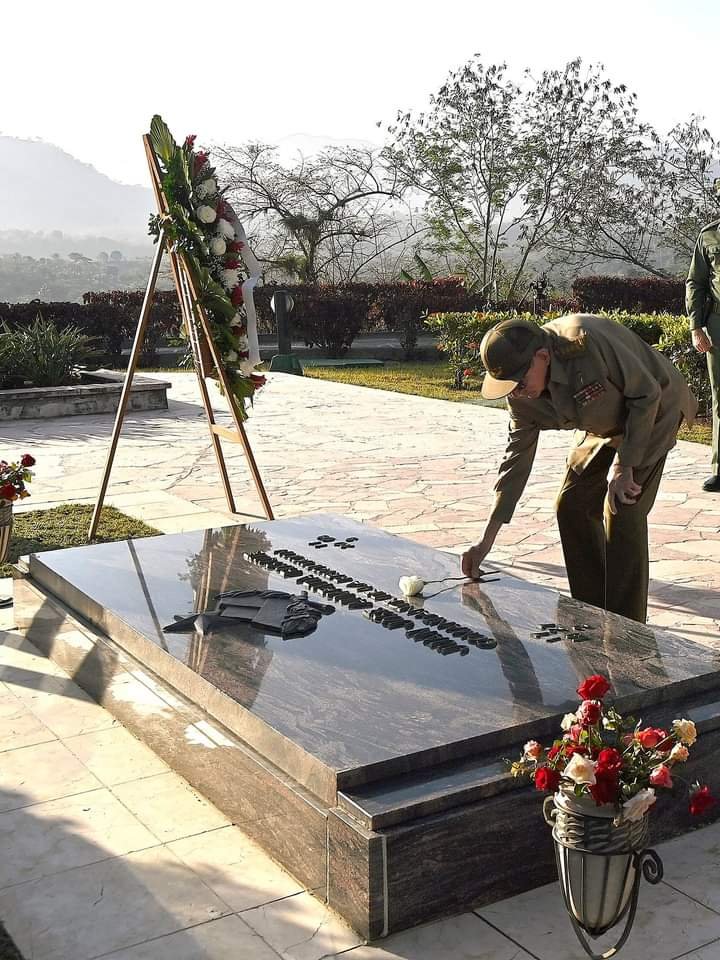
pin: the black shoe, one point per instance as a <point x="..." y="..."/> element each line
<point x="712" y="484"/>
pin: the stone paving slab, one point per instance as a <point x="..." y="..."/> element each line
<point x="417" y="467"/>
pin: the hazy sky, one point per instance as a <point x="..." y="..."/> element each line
<point x="88" y="76"/>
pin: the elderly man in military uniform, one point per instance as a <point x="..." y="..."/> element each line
<point x="626" y="402"/>
<point x="702" y="299"/>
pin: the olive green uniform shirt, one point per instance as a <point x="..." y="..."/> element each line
<point x="702" y="287"/>
<point x="610" y="386"/>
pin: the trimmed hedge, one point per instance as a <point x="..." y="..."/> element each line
<point x="636" y="294"/>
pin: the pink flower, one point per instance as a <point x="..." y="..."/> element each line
<point x="660" y="776"/>
<point x="589" y="712"/>
<point x="533" y="749"/>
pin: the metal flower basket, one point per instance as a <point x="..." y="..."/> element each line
<point x="599" y="865"/>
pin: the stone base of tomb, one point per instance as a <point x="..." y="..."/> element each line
<point x="381" y="784"/>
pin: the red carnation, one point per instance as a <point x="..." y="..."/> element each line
<point x="223" y="208"/>
<point x="593" y="688"/>
<point x="190" y="140"/>
<point x="200" y="160"/>
<point x="589" y="712"/>
<point x="231" y="263"/>
<point x="236" y="297"/>
<point x="650" y="737"/>
<point x="27" y="460"/>
<point x="701" y="800"/>
<point x="609" y="761"/>
<point x="236" y="246"/>
<point x="547" y="779"/>
<point x="8" y="492"/>
<point x="605" y="788"/>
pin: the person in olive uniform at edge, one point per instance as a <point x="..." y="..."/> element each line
<point x="702" y="302"/>
<point x="626" y="400"/>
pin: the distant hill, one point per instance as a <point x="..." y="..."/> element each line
<point x="42" y="188"/>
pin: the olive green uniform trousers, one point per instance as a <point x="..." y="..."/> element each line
<point x="713" y="364"/>
<point x="606" y="555"/>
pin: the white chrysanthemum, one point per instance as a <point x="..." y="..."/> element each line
<point x="225" y="229"/>
<point x="243" y="344"/>
<point x="411" y="586"/>
<point x="218" y="247"/>
<point x="208" y="188"/>
<point x="231" y="278"/>
<point x="206" y="214"/>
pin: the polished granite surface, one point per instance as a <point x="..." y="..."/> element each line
<point x="359" y="697"/>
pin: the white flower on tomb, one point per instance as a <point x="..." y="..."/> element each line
<point x="685" y="731"/>
<point x="636" y="807"/>
<point x="533" y="749"/>
<point x="411" y="586"/>
<point x="231" y="278"/>
<point x="208" y="188"/>
<point x="567" y="721"/>
<point x="206" y="214"/>
<point x="218" y="247"/>
<point x="231" y="356"/>
<point x="243" y="343"/>
<point x="580" y="769"/>
<point x="225" y="229"/>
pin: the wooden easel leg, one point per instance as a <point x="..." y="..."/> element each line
<point x="125" y="395"/>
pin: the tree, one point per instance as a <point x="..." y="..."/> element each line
<point x="508" y="169"/>
<point x="332" y="217"/>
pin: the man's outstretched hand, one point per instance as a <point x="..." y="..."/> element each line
<point x="621" y="487"/>
<point x="701" y="341"/>
<point x="472" y="560"/>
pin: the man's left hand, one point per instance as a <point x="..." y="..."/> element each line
<point x="621" y="487"/>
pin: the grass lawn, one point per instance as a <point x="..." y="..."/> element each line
<point x="67" y="526"/>
<point x="435" y="380"/>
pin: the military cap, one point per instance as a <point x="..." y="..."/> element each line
<point x="506" y="351"/>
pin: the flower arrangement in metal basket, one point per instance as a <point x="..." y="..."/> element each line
<point x="14" y="478"/>
<point x="612" y="759"/>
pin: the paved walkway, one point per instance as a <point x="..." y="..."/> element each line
<point x="110" y="854"/>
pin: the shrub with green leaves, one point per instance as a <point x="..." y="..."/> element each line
<point x="42" y="355"/>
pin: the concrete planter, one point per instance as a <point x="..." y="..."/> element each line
<point x="97" y="392"/>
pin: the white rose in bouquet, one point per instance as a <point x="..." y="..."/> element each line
<point x="685" y="731"/>
<point x="243" y="344"/>
<point x="208" y="188"/>
<point x="225" y="229"/>
<point x="206" y="214"/>
<point x="636" y="807"/>
<point x="580" y="769"/>
<point x="218" y="247"/>
<point x="567" y="721"/>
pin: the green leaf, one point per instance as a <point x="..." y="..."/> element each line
<point x="162" y="140"/>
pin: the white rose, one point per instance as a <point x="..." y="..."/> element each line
<point x="225" y="229"/>
<point x="218" y="247"/>
<point x="636" y="807"/>
<point x="231" y="356"/>
<point x="207" y="188"/>
<point x="231" y="278"/>
<point x="580" y="769"/>
<point x="685" y="731"/>
<point x="243" y="344"/>
<point x="411" y="586"/>
<point x="568" y="720"/>
<point x="679" y="754"/>
<point x="205" y="214"/>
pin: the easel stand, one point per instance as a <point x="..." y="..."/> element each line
<point x="206" y="358"/>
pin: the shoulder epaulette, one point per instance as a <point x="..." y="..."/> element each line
<point x="566" y="348"/>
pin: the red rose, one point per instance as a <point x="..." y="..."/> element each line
<point x="605" y="788"/>
<point x="609" y="761"/>
<point x="236" y="246"/>
<point x="593" y="688"/>
<point x="571" y="748"/>
<point x="700" y="801"/>
<point x="660" y="776"/>
<point x="589" y="712"/>
<point x="231" y="263"/>
<point x="258" y="380"/>
<point x="468" y="372"/>
<point x="650" y="737"/>
<point x="236" y="297"/>
<point x="547" y="779"/>
<point x="553" y="752"/>
<point x="8" y="492"/>
<point x="27" y="460"/>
